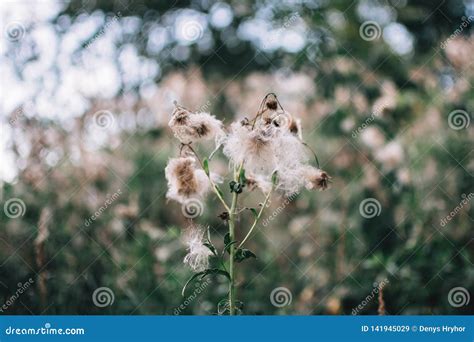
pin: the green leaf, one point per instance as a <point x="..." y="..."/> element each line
<point x="211" y="248"/>
<point x="205" y="165"/>
<point x="215" y="271"/>
<point x="226" y="238"/>
<point x="242" y="178"/>
<point x="254" y="211"/>
<point x="219" y="191"/>
<point x="232" y="185"/>
<point x="227" y="246"/>
<point x="274" y="177"/>
<point x="242" y="253"/>
<point x="203" y="275"/>
<point x="236" y="187"/>
<point x="190" y="280"/>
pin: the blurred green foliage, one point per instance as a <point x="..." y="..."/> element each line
<point x="320" y="247"/>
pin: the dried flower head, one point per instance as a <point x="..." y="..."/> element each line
<point x="189" y="127"/>
<point x="258" y="182"/>
<point x="295" y="128"/>
<point x="198" y="254"/>
<point x="184" y="180"/>
<point x="253" y="147"/>
<point x="316" y="178"/>
<point x="271" y="103"/>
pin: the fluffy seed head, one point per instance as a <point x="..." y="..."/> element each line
<point x="189" y="127"/>
<point x="198" y="254"/>
<point x="184" y="180"/>
<point x="316" y="178"/>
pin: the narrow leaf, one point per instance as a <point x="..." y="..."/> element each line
<point x="215" y="271"/>
<point x="242" y="178"/>
<point x="254" y="211"/>
<point x="211" y="248"/>
<point x="205" y="165"/>
<point x="241" y="254"/>
<point x="226" y="238"/>
<point x="219" y="191"/>
<point x="227" y="246"/>
<point x="274" y="177"/>
<point x="190" y="280"/>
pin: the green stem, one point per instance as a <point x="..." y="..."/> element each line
<point x="232" y="216"/>
<point x="213" y="185"/>
<point x="259" y="215"/>
<point x="232" y="254"/>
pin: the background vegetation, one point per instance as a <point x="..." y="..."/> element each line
<point x="376" y="111"/>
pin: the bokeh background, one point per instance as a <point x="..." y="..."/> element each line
<point x="385" y="93"/>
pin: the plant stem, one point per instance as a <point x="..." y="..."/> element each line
<point x="232" y="254"/>
<point x="213" y="185"/>
<point x="232" y="216"/>
<point x="256" y="219"/>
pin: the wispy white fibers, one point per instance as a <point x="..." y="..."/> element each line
<point x="198" y="254"/>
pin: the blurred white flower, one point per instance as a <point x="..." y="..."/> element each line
<point x="391" y="155"/>
<point x="372" y="137"/>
